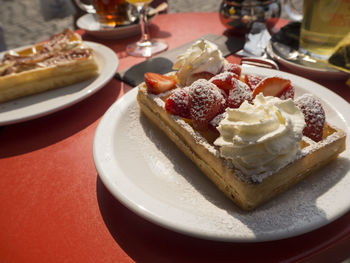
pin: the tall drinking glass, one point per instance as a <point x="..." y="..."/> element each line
<point x="145" y="47"/>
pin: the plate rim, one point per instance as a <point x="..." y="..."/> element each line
<point x="130" y="97"/>
<point x="109" y="57"/>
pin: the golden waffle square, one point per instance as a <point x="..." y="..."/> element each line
<point x="247" y="192"/>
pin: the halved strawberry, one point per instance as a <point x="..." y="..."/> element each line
<point x="252" y="80"/>
<point x="206" y="101"/>
<point x="288" y="93"/>
<point x="238" y="94"/>
<point x="223" y="81"/>
<point x="178" y="103"/>
<point x="272" y="86"/>
<point x="234" y="68"/>
<point x="157" y="83"/>
<point x="314" y="115"/>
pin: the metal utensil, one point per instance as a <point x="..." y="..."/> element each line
<point x="259" y="62"/>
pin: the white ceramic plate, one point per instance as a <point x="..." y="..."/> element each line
<point x="45" y="103"/>
<point x="92" y="27"/>
<point x="309" y="68"/>
<point x="143" y="169"/>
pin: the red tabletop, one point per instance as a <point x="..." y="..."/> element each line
<point x="54" y="207"/>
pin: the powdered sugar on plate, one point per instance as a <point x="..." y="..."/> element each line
<point x="151" y="176"/>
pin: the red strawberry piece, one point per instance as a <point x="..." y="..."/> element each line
<point x="288" y="93"/>
<point x="272" y="86"/>
<point x="157" y="83"/>
<point x="314" y="115"/>
<point x="178" y="103"/>
<point x="224" y="102"/>
<point x="234" y="68"/>
<point x="206" y="101"/>
<point x="214" y="123"/>
<point x="223" y="81"/>
<point x="252" y="80"/>
<point x="238" y="94"/>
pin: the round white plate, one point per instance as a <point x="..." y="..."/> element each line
<point x="45" y="103"/>
<point x="143" y="169"/>
<point x="92" y="27"/>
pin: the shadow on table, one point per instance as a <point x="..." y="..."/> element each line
<point x="31" y="135"/>
<point x="135" y="74"/>
<point x="144" y="241"/>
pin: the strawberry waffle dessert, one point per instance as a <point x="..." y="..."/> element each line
<point x="246" y="132"/>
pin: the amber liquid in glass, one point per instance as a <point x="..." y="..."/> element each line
<point x="112" y="13"/>
<point x="325" y="23"/>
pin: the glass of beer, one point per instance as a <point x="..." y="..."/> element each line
<point x="325" y="23"/>
<point x="109" y="13"/>
<point x="145" y="47"/>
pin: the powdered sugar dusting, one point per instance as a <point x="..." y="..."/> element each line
<point x="314" y="115"/>
<point x="159" y="101"/>
<point x="240" y="93"/>
<point x="243" y="88"/>
<point x="178" y="97"/>
<point x="205" y="101"/>
<point x="168" y="179"/>
<point x="223" y="76"/>
<point x="206" y="93"/>
<point x="252" y="80"/>
<point x="289" y="93"/>
<point x="215" y="122"/>
<point x="198" y="138"/>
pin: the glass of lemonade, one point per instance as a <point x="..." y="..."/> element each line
<point x="145" y="47"/>
<point x="325" y="23"/>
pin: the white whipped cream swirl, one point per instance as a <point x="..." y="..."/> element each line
<point x="263" y="136"/>
<point x="202" y="56"/>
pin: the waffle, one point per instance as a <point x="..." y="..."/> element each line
<point x="247" y="192"/>
<point x="60" y="61"/>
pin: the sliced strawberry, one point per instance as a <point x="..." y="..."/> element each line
<point x="288" y="93"/>
<point x="178" y="103"/>
<point x="252" y="80"/>
<point x="314" y="115"/>
<point x="206" y="101"/>
<point x="238" y="94"/>
<point x="272" y="86"/>
<point x="234" y="68"/>
<point x="157" y="83"/>
<point x="223" y="81"/>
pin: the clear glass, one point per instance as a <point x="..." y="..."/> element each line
<point x="145" y="47"/>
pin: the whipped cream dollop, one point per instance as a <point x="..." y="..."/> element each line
<point x="263" y="136"/>
<point x="202" y="56"/>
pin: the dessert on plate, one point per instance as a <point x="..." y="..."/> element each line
<point x="246" y="132"/>
<point x="60" y="61"/>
